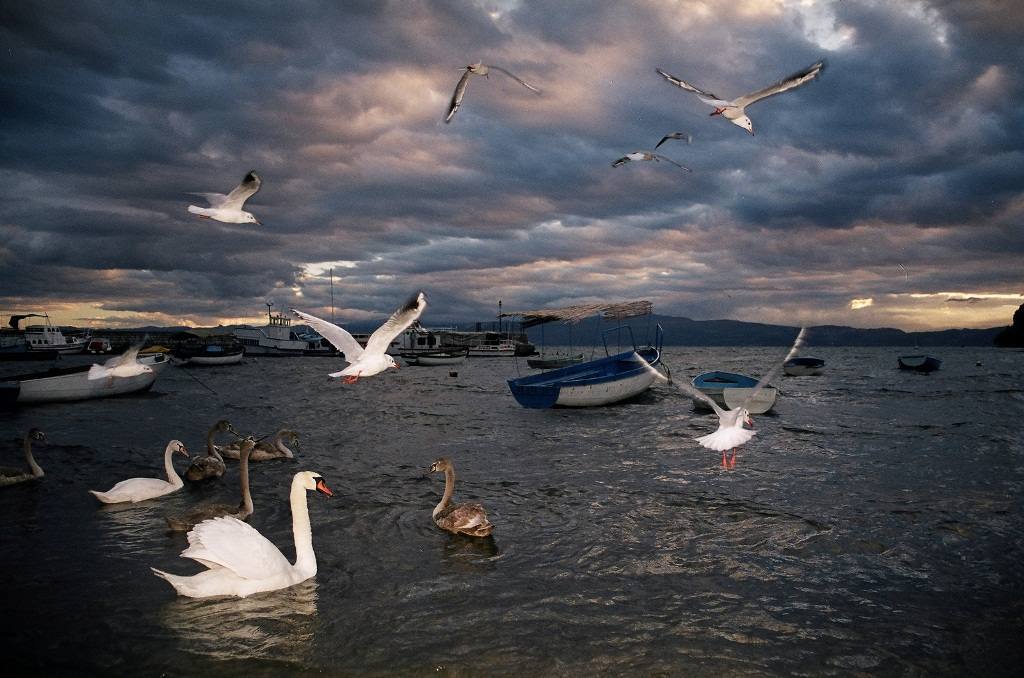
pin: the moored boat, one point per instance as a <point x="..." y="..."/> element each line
<point x="803" y="366"/>
<point x="552" y="361"/>
<point x="731" y="390"/>
<point x="211" y="352"/>
<point x="278" y="338"/>
<point x="49" y="337"/>
<point x="432" y="358"/>
<point x="919" y="363"/>
<point x="155" y="360"/>
<point x="69" y="383"/>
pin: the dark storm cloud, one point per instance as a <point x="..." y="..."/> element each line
<point x="907" y="150"/>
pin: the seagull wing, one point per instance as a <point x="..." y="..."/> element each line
<point x="517" y="79"/>
<point x="621" y="161"/>
<point x="685" y="388"/>
<point x="683" y="136"/>
<point x="339" y="337"/>
<point x="795" y="80"/>
<point x="460" y="91"/>
<point x="706" y="97"/>
<point x="243" y="191"/>
<point x="127" y="358"/>
<point x="662" y="157"/>
<point x="215" y="199"/>
<point x="774" y="372"/>
<point x="397" y="323"/>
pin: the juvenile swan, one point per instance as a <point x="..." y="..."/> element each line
<point x="241" y="511"/>
<point x="470" y="519"/>
<point x="141" y="489"/>
<point x="263" y="451"/>
<point x="242" y="561"/>
<point x="11" y="476"/>
<point x="212" y="465"/>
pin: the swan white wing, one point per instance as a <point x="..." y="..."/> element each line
<point x="706" y="97"/>
<point x="460" y="92"/>
<point x="215" y="199"/>
<point x="517" y="79"/>
<point x="774" y="371"/>
<point x="242" y="192"/>
<point x="228" y="542"/>
<point x="397" y="323"/>
<point x="339" y="337"/>
<point x="795" y="80"/>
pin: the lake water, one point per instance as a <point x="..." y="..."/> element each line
<point x="871" y="527"/>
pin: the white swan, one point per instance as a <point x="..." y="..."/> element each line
<point x="141" y="489"/>
<point x="241" y="511"/>
<point x="263" y="451"/>
<point x="470" y="519"/>
<point x="12" y="476"/>
<point x="242" y="561"/>
<point x="212" y="465"/>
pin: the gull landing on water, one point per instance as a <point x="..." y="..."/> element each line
<point x="374" y="358"/>
<point x="228" y="208"/>
<point x="478" y="69"/>
<point x="735" y="111"/>
<point x="731" y="432"/>
<point x="646" y="155"/>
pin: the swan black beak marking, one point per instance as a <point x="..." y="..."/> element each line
<point x="321" y="487"/>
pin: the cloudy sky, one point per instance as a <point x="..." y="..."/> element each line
<point x="889" y="192"/>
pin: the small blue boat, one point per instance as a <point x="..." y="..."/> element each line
<point x="919" y="363"/>
<point x="603" y="381"/>
<point x="731" y="390"/>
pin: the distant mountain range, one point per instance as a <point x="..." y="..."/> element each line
<point x="687" y="332"/>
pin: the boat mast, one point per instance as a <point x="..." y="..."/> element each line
<point x="269" y="303"/>
<point x="332" y="294"/>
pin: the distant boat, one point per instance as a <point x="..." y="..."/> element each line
<point x="431" y="358"/>
<point x="730" y="390"/>
<point x="803" y="366"/>
<point x="156" y="360"/>
<point x="548" y="361"/>
<point x="98" y="345"/>
<point x="49" y="337"/>
<point x="211" y="352"/>
<point x="595" y="382"/>
<point x="68" y="383"/>
<point x="919" y="363"/>
<point x="279" y="338"/>
<point x="504" y="343"/>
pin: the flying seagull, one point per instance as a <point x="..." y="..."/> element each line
<point x="674" y="135"/>
<point x="731" y="432"/>
<point x="374" y="358"/>
<point x="228" y="208"/>
<point x="125" y="365"/>
<point x="478" y="69"/>
<point x="735" y="111"/>
<point x="646" y="155"/>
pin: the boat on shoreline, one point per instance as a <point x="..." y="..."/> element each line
<point x="61" y="384"/>
<point x="211" y="351"/>
<point x="45" y="337"/>
<point x="731" y="390"/>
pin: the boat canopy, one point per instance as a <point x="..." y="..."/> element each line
<point x="574" y="314"/>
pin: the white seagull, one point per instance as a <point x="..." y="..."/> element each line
<point x="683" y="136"/>
<point x="228" y="208"/>
<point x="735" y="111"/>
<point x="374" y="358"/>
<point x="731" y="432"/>
<point x="646" y="155"/>
<point x="124" y="365"/>
<point x="478" y="69"/>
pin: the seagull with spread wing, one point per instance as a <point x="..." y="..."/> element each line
<point x="731" y="432"/>
<point x="125" y="365"/>
<point x="366" y="362"/>
<point x="478" y="69"/>
<point x="735" y="111"/>
<point x="228" y="208"/>
<point x="682" y="136"/>
<point x="641" y="156"/>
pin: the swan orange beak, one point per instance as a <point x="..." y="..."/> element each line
<point x="183" y="451"/>
<point x="321" y="487"/>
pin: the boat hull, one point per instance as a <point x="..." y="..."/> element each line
<point x="73" y="383"/>
<point x="555" y="362"/>
<point x="217" y="359"/>
<point x="435" y="358"/>
<point x="919" y="363"/>
<point x="730" y="390"/>
<point x="597" y="382"/>
<point x="804" y="367"/>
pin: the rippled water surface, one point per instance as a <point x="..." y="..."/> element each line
<point x="873" y="526"/>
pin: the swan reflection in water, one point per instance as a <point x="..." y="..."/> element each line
<point x="468" y="554"/>
<point x="278" y="624"/>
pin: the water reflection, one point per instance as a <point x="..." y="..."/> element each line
<point x="463" y="554"/>
<point x="277" y="624"/>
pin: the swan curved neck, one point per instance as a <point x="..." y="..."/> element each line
<point x="37" y="471"/>
<point x="449" y="490"/>
<point x="211" y="450"/>
<point x="172" y="476"/>
<point x="279" y="444"/>
<point x="243" y="471"/>
<point x="305" y="558"/>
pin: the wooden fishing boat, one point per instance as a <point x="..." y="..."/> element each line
<point x="919" y="363"/>
<point x="69" y="383"/>
<point x="731" y="390"/>
<point x="803" y="366"/>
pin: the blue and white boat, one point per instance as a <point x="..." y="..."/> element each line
<point x="611" y="379"/>
<point x="731" y="390"/>
<point x="919" y="363"/>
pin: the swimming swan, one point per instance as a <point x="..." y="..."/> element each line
<point x="12" y="476"/>
<point x="241" y="511"/>
<point x="242" y="561"/>
<point x="275" y="449"/>
<point x="468" y="519"/>
<point x="141" y="489"/>
<point x="212" y="465"/>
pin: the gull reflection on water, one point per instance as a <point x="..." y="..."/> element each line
<point x="278" y="624"/>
